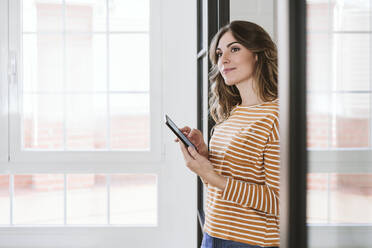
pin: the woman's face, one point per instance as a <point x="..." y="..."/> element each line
<point x="235" y="62"/>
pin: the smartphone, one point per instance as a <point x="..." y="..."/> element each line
<point x="178" y="132"/>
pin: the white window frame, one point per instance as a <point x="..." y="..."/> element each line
<point x="56" y="159"/>
<point x="347" y="161"/>
<point x="4" y="152"/>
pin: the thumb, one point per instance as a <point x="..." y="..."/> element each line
<point x="194" y="153"/>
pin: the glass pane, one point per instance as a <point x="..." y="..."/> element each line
<point x="350" y="198"/>
<point x="351" y="15"/>
<point x="86" y="62"/>
<point x="339" y="198"/>
<point x="86" y="199"/>
<point x="317" y="198"/>
<point x="4" y="200"/>
<point x="352" y="61"/>
<point x="86" y="16"/>
<point x="82" y="16"/>
<point x="30" y="63"/>
<point x="36" y="190"/>
<point x="86" y="121"/>
<point x="130" y="121"/>
<point x="319" y="65"/>
<point x="133" y="199"/>
<point x="129" y="15"/>
<point x="42" y="62"/>
<point x="46" y="15"/>
<point x="351" y="121"/>
<point x="318" y="121"/>
<point x="129" y="62"/>
<point x="318" y="16"/>
<point x="42" y="121"/>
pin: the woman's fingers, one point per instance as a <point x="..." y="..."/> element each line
<point x="186" y="154"/>
<point x="186" y="128"/>
<point x="196" y="137"/>
<point x="196" y="134"/>
<point x="177" y="139"/>
<point x="194" y="154"/>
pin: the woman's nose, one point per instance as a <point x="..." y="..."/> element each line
<point x="225" y="58"/>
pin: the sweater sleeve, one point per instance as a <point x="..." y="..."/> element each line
<point x="262" y="197"/>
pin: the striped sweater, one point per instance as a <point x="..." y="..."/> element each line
<point x="245" y="149"/>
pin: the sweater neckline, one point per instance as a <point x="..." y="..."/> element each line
<point x="255" y="105"/>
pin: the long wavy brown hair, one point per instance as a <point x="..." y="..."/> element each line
<point x="224" y="97"/>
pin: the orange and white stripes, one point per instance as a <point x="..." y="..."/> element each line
<point x="245" y="149"/>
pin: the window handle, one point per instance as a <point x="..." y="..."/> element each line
<point x="12" y="67"/>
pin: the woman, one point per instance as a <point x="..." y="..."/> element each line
<point x="241" y="168"/>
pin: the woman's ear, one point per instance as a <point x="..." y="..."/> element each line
<point x="256" y="57"/>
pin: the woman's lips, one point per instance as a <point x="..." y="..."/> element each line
<point x="227" y="70"/>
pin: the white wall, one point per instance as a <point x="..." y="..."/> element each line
<point x="261" y="12"/>
<point x="179" y="102"/>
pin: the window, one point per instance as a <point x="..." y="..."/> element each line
<point x="83" y="113"/>
<point x="83" y="82"/>
<point x="339" y="113"/>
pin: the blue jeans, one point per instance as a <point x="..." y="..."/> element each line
<point x="212" y="242"/>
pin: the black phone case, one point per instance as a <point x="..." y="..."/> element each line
<point x="182" y="137"/>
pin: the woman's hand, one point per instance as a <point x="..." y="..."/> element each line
<point x="203" y="167"/>
<point x="196" y="162"/>
<point x="196" y="137"/>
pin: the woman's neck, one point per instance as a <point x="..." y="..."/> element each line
<point x="248" y="93"/>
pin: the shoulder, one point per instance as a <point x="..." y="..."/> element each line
<point x="272" y="113"/>
<point x="272" y="105"/>
<point x="271" y="109"/>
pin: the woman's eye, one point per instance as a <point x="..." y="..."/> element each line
<point x="218" y="55"/>
<point x="235" y="49"/>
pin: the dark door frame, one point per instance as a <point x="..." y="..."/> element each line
<point x="292" y="97"/>
<point x="291" y="18"/>
<point x="218" y="15"/>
